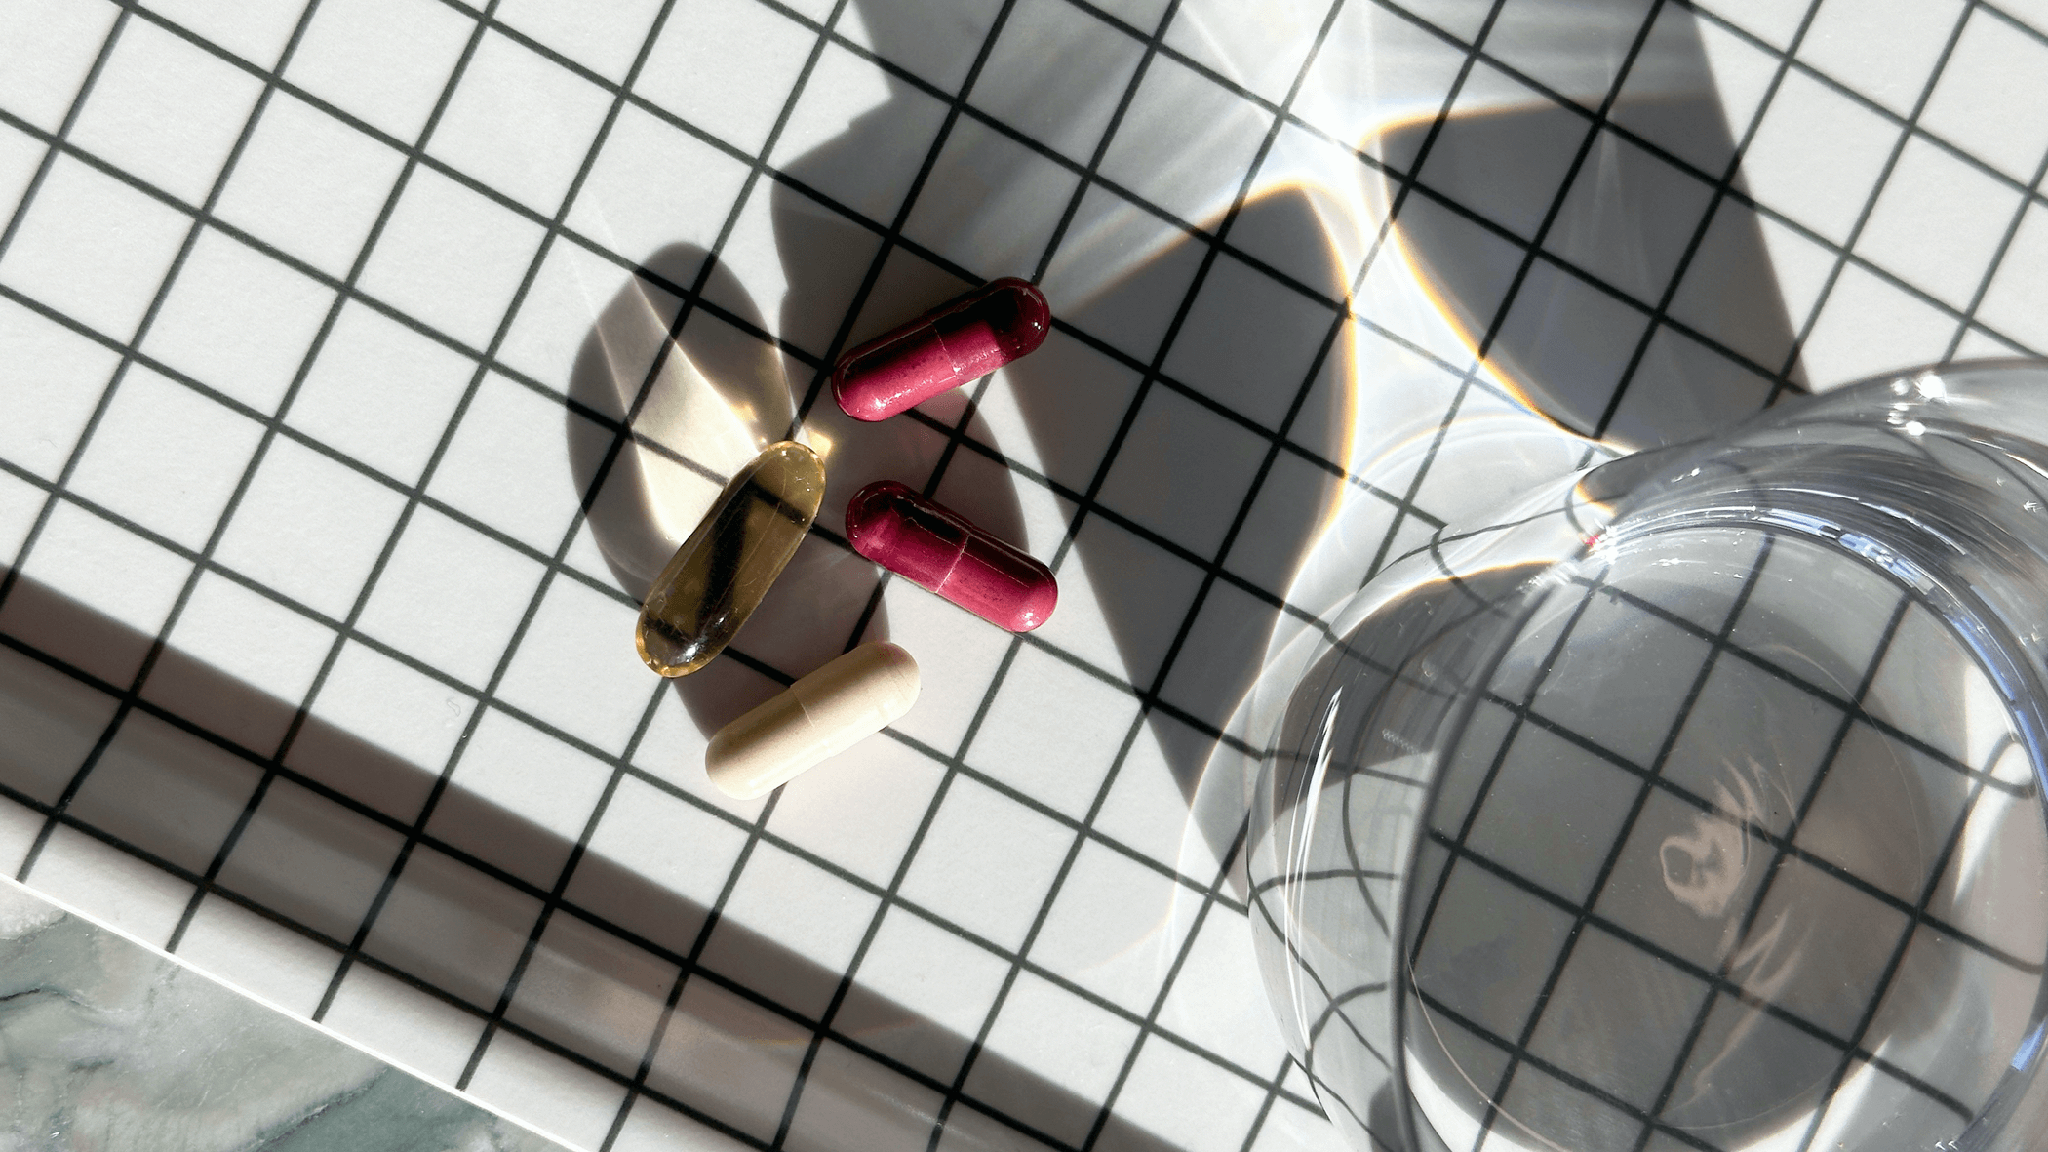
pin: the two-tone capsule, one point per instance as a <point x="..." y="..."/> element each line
<point x="959" y="341"/>
<point x="845" y="700"/>
<point x="719" y="575"/>
<point x="940" y="550"/>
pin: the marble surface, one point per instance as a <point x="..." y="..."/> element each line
<point x="110" y="1046"/>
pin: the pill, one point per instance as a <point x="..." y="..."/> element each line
<point x="844" y="701"/>
<point x="717" y="578"/>
<point x="957" y="342"/>
<point x="938" y="549"/>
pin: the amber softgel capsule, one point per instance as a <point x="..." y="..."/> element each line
<point x="719" y="575"/>
<point x="846" y="700"/>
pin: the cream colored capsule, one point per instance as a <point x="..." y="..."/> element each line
<point x="845" y="700"/>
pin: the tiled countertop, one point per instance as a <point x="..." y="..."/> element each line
<point x="323" y="329"/>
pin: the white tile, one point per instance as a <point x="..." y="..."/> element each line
<point x="826" y="124"/>
<point x="408" y="721"/>
<point x="2017" y="302"/>
<point x="1122" y="599"/>
<point x="268" y="653"/>
<point x="1935" y="690"/>
<point x="42" y="65"/>
<point x="860" y="809"/>
<point x="592" y="993"/>
<point x="936" y="989"/>
<point x="730" y="1058"/>
<point x="1261" y="50"/>
<point x="1695" y="88"/>
<point x="57" y="379"/>
<point x="20" y="503"/>
<point x="1628" y="218"/>
<point x="1848" y="935"/>
<point x="1056" y="1038"/>
<point x="726" y="68"/>
<point x="258" y="955"/>
<point x="109" y="570"/>
<point x="556" y="337"/>
<point x="957" y="656"/>
<point x="849" y="1100"/>
<point x="1937" y="223"/>
<point x="451" y="257"/>
<point x="1736" y="702"/>
<point x="1115" y="927"/>
<point x="110" y="886"/>
<point x="653" y="185"/>
<point x="1641" y="1007"/>
<point x="654" y="837"/>
<point x="309" y="184"/>
<point x="1288" y="1127"/>
<point x="65" y="257"/>
<point x="1884" y="49"/>
<point x="238" y="321"/>
<point x="508" y="464"/>
<point x="1249" y="341"/>
<point x="519" y="799"/>
<point x="1146" y="810"/>
<point x="519" y="123"/>
<point x="1625" y="713"/>
<point x="1815" y="156"/>
<point x="310" y="527"/>
<point x="564" y="1100"/>
<point x="381" y="392"/>
<point x="256" y="30"/>
<point x="1003" y="227"/>
<point x="20" y="156"/>
<point x="1879" y="791"/>
<point x="602" y="35"/>
<point x="1096" y="59"/>
<point x="936" y="40"/>
<point x="673" y="749"/>
<point x="1178" y="1096"/>
<point x="311" y="860"/>
<point x="986" y="862"/>
<point x="1726" y="297"/>
<point x="1869" y="326"/>
<point x="1768" y="20"/>
<point x="385" y="61"/>
<point x="165" y="791"/>
<point x="576" y="667"/>
<point x="1202" y="1008"/>
<point x="403" y="1024"/>
<point x="1990" y="99"/>
<point x="807" y="298"/>
<point x="1185" y="143"/>
<point x="452" y="926"/>
<point x="1183" y="471"/>
<point x="1061" y="765"/>
<point x="1376" y="69"/>
<point x="790" y="929"/>
<point x="166" y="456"/>
<point x="165" y="111"/>
<point x="451" y="597"/>
<point x="653" y="1126"/>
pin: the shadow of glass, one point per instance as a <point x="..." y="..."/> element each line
<point x="1580" y="349"/>
<point x="329" y="826"/>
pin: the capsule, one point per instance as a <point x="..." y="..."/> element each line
<point x="938" y="549"/>
<point x="945" y="348"/>
<point x="717" y="578"/>
<point x="847" y="699"/>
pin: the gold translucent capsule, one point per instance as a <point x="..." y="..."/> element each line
<point x="719" y="575"/>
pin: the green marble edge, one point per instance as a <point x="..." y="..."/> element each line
<point x="110" y="1045"/>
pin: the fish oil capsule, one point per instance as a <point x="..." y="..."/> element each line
<point x="717" y="578"/>
<point x="938" y="549"/>
<point x="846" y="700"/>
<point x="957" y="342"/>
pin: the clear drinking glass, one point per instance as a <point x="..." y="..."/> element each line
<point x="1694" y="803"/>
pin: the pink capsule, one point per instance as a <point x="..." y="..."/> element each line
<point x="957" y="342"/>
<point x="935" y="548"/>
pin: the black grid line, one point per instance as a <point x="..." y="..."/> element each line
<point x="1891" y="163"/>
<point x="956" y="436"/>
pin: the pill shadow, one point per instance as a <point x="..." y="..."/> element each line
<point x="715" y="396"/>
<point x="329" y="827"/>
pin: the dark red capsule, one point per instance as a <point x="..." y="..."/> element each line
<point x="960" y="341"/>
<point x="936" y="548"/>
